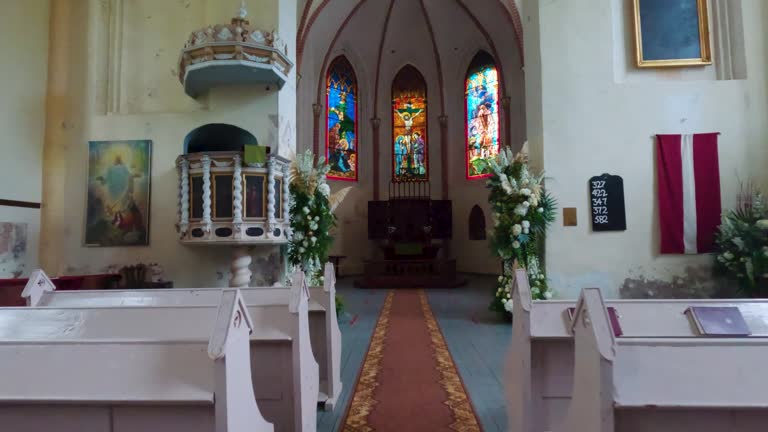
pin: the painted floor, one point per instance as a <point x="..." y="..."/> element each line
<point x="476" y="338"/>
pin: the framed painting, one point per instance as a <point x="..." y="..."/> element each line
<point x="119" y="176"/>
<point x="672" y="33"/>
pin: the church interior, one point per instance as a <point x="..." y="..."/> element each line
<point x="383" y="215"/>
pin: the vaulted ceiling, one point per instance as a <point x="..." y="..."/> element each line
<point x="441" y="35"/>
<point x="312" y="9"/>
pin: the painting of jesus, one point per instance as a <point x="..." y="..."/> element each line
<point x="117" y="212"/>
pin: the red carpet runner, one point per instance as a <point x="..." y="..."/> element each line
<point x="409" y="381"/>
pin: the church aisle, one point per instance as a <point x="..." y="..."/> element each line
<point x="478" y="340"/>
<point x="476" y="337"/>
<point x="409" y="381"/>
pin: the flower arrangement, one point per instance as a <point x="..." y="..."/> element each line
<point x="742" y="245"/>
<point x="522" y="211"/>
<point x="312" y="217"/>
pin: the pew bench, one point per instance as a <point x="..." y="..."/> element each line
<point x="325" y="335"/>
<point x="540" y="361"/>
<point x="53" y="379"/>
<point x="284" y="371"/>
<point x="632" y="384"/>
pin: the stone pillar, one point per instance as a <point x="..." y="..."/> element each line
<point x="376" y="125"/>
<point x="444" y="160"/>
<point x="505" y="121"/>
<point x="317" y="109"/>
<point x="241" y="268"/>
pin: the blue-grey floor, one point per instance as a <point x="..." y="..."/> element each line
<point x="476" y="338"/>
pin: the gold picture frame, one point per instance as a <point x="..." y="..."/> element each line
<point x="644" y="60"/>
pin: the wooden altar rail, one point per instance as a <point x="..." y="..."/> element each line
<point x="540" y="363"/>
<point x="410" y="267"/>
<point x="410" y="190"/>
<point x="437" y="273"/>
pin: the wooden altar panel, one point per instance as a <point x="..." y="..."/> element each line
<point x="378" y="220"/>
<point x="409" y="217"/>
<point x="442" y="219"/>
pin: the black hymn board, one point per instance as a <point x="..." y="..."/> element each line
<point x="607" y="197"/>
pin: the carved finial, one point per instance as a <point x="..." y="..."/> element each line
<point x="243" y="11"/>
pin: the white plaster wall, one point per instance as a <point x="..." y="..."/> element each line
<point x="598" y="115"/>
<point x="24" y="72"/>
<point x="85" y="106"/>
<point x="408" y="42"/>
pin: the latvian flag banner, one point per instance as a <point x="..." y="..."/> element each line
<point x="689" y="192"/>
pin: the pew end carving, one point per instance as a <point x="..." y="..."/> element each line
<point x="330" y="376"/>
<point x="307" y="382"/>
<point x="39" y="283"/>
<point x="229" y="348"/>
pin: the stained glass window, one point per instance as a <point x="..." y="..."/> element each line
<point x="482" y="122"/>
<point x="341" y="145"/>
<point x="409" y="126"/>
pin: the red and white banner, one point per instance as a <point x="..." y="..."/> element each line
<point x="689" y="192"/>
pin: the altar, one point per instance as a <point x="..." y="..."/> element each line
<point x="412" y="232"/>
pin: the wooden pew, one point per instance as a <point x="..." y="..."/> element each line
<point x="284" y="370"/>
<point x="666" y="384"/>
<point x="539" y="365"/>
<point x="325" y="334"/>
<point x="151" y="382"/>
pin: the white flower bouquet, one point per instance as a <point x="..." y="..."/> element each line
<point x="742" y="246"/>
<point x="522" y="211"/>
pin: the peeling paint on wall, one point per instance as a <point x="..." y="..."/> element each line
<point x="13" y="249"/>
<point x="696" y="282"/>
<point x="266" y="267"/>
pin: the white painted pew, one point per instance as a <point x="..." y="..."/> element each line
<point x="151" y="384"/>
<point x="539" y="365"/>
<point x="323" y="323"/>
<point x="284" y="371"/>
<point x="633" y="384"/>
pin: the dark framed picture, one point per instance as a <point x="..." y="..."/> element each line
<point x="672" y="33"/>
<point x="119" y="177"/>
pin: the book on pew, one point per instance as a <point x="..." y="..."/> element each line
<point x="612" y="316"/>
<point x="718" y="321"/>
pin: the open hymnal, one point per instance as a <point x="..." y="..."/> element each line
<point x="718" y="321"/>
<point x="612" y="316"/>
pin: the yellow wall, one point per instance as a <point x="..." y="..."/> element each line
<point x="114" y="77"/>
<point x="23" y="69"/>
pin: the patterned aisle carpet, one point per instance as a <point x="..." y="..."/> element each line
<point x="409" y="381"/>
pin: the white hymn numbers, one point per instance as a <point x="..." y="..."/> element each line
<point x="599" y="202"/>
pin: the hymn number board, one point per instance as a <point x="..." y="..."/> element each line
<point x="607" y="197"/>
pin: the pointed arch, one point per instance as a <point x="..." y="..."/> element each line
<point x="482" y="120"/>
<point x="410" y="156"/>
<point x="477" y="223"/>
<point x="341" y="120"/>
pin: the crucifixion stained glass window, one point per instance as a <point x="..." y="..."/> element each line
<point x="482" y="115"/>
<point x="410" y="161"/>
<point x="341" y="144"/>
